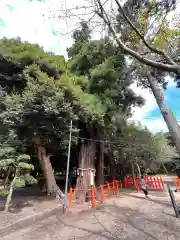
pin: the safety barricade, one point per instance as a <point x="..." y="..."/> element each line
<point x="153" y="183"/>
<point x="129" y="182"/>
<point x="177" y="183"/>
<point x="96" y="195"/>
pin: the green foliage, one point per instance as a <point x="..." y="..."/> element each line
<point x="19" y="182"/>
<point x="27" y="53"/>
<point x="3" y="192"/>
<point x="83" y="34"/>
<point x="15" y="162"/>
<point x="24" y="158"/>
<point x="158" y="25"/>
<point x="12" y="157"/>
<point x="24" y="165"/>
<point x="138" y="145"/>
<point x="16" y="56"/>
<point x="105" y="68"/>
<point x="29" y="180"/>
<point x="46" y="105"/>
<point x="165" y="152"/>
<point x="9" y="157"/>
<point x="168" y="36"/>
<point x="175" y="164"/>
<point x="93" y="90"/>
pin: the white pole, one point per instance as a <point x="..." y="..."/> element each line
<point x="67" y="172"/>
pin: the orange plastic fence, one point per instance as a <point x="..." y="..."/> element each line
<point x="98" y="196"/>
<point x="177" y="183"/>
<point x="153" y="183"/>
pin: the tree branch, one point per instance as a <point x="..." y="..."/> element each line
<point x="157" y="51"/>
<point x="165" y="67"/>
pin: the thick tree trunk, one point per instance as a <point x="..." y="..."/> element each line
<point x="112" y="166"/>
<point x="86" y="166"/>
<point x="113" y="171"/>
<point x="100" y="166"/>
<point x="9" y="197"/>
<point x="45" y="163"/>
<point x="121" y="165"/>
<point x="170" y="120"/>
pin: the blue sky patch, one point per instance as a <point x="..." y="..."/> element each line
<point x="172" y="97"/>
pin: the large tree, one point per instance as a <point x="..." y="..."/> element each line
<point x="105" y="68"/>
<point x="41" y="95"/>
<point x="42" y="107"/>
<point x="145" y="34"/>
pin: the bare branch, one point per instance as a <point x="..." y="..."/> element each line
<point x="165" y="67"/>
<point x="158" y="51"/>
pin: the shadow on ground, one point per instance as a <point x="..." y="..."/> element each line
<point x="162" y="202"/>
<point x="122" y="217"/>
<point x="24" y="198"/>
<point x="130" y="223"/>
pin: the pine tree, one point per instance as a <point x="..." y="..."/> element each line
<point x="16" y="162"/>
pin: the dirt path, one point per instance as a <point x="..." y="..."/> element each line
<point x="127" y="217"/>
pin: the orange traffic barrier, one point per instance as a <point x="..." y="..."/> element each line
<point x="125" y="182"/>
<point x="70" y="197"/>
<point x="156" y="183"/>
<point x="177" y="183"/>
<point x="151" y="183"/>
<point x="106" y="190"/>
<point x="109" y="189"/>
<point x="162" y="182"/>
<point x="113" y="187"/>
<point x="121" y="185"/>
<point x="117" y="187"/>
<point x="93" y="198"/>
<point x="130" y="183"/>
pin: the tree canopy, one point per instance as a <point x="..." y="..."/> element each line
<point x="41" y="93"/>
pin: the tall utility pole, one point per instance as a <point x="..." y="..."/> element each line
<point x="170" y="120"/>
<point x="67" y="172"/>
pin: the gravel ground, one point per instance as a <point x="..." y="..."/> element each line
<point x="26" y="207"/>
<point x="30" y="201"/>
<point x="127" y="216"/>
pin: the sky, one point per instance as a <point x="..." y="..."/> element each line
<point x="38" y="22"/>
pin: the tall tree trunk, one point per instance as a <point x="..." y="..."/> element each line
<point x="112" y="164"/>
<point x="86" y="166"/>
<point x="9" y="197"/>
<point x="170" y="120"/>
<point x="45" y="163"/>
<point x="120" y="169"/>
<point x="7" y="176"/>
<point x="100" y="165"/>
<point x="164" y="167"/>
